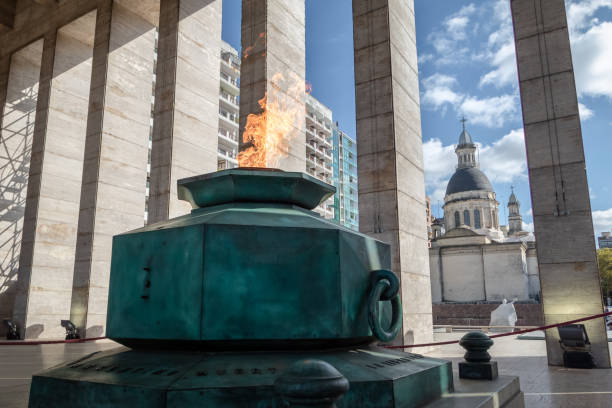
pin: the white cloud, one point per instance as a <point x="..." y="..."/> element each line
<point x="502" y="161"/>
<point x="591" y="52"/>
<point x="423" y="58"/>
<point x="602" y="221"/>
<point x="500" y="52"/>
<point x="592" y="57"/>
<point x="501" y="11"/>
<point x="456" y="26"/>
<point x="504" y="61"/>
<point x="529" y="213"/>
<point x="439" y="93"/>
<point x="449" y="41"/>
<point x="440" y="162"/>
<point x="491" y="112"/>
<point x="585" y="112"/>
<point x="528" y="226"/>
<point x="505" y="160"/>
<point x="579" y="12"/>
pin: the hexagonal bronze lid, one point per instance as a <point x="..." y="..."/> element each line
<point x="254" y="185"/>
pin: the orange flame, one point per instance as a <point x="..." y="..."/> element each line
<point x="261" y="38"/>
<point x="267" y="135"/>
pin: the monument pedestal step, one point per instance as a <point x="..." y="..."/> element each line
<point x="378" y="377"/>
<point x="503" y="392"/>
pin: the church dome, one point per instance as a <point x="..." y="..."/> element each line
<point x="468" y="179"/>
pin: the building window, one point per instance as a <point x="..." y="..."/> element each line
<point x="466" y="217"/>
<point x="457" y="219"/>
<point x="477" y="224"/>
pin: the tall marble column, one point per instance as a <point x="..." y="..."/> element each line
<point x="273" y="71"/>
<point x="116" y="150"/>
<point x="51" y="215"/>
<point x="18" y="104"/>
<point x="186" y="120"/>
<point x="563" y="223"/>
<point x="392" y="204"/>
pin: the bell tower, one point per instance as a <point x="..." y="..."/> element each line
<point x="515" y="220"/>
<point x="466" y="149"/>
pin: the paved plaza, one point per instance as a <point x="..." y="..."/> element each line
<point x="543" y="386"/>
<point x="20" y="362"/>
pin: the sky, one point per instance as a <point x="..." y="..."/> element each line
<point x="467" y="66"/>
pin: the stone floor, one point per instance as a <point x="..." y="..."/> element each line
<point x="543" y="386"/>
<point x="18" y="363"/>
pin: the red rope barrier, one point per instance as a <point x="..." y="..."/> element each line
<point x="442" y="343"/>
<point x="550" y="326"/>
<point x="39" y="342"/>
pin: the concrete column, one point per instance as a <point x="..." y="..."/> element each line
<point x="115" y="167"/>
<point x="7" y="14"/>
<point x="48" y="245"/>
<point x="273" y="70"/>
<point x="20" y="85"/>
<point x="392" y="203"/>
<point x="186" y="118"/>
<point x="559" y="191"/>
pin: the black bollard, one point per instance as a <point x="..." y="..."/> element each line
<point x="478" y="364"/>
<point x="312" y="384"/>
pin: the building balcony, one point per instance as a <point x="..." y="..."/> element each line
<point x="231" y="61"/>
<point x="311" y="147"/>
<point x="226" y="155"/>
<point x="229" y="118"/>
<point x="230" y="99"/>
<point x="230" y="139"/>
<point x="224" y="164"/>
<point x="230" y="84"/>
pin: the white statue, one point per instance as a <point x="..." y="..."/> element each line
<point x="504" y="315"/>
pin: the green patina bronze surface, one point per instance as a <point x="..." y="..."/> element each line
<point x="378" y="379"/>
<point x="241" y="273"/>
<point x="234" y="293"/>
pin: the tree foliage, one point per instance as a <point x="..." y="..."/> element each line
<point x="604" y="257"/>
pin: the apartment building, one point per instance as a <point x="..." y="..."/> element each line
<point x="605" y="240"/>
<point x="229" y="92"/>
<point x="346" y="209"/>
<point x="320" y="148"/>
<point x="331" y="155"/>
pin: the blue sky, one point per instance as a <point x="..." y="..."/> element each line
<point x="467" y="67"/>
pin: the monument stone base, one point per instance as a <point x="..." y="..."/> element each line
<point x="379" y="378"/>
<point x="478" y="371"/>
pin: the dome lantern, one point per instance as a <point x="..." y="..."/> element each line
<point x="466" y="149"/>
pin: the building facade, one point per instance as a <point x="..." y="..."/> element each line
<point x="605" y="240"/>
<point x="346" y="209"/>
<point x="229" y="109"/>
<point x="472" y="258"/>
<point x="320" y="148"/>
